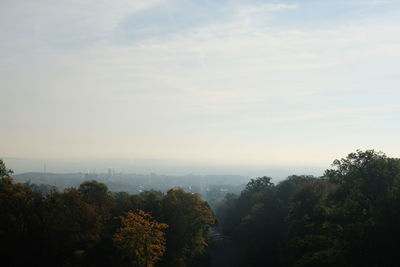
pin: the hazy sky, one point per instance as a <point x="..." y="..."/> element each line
<point x="228" y="82"/>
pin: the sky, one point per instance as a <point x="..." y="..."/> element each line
<point x="228" y="82"/>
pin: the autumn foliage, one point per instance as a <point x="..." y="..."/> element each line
<point x="141" y="239"/>
<point x="91" y="226"/>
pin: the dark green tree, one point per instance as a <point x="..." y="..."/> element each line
<point x="22" y="222"/>
<point x="366" y="206"/>
<point x="4" y="171"/>
<point x="189" y="219"/>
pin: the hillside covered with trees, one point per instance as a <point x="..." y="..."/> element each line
<point x="91" y="226"/>
<point x="347" y="217"/>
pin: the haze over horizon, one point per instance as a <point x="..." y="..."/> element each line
<point x="157" y="167"/>
<point x="224" y="84"/>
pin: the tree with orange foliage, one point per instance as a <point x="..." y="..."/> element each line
<point x="140" y="239"/>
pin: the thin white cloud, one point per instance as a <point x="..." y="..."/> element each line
<point x="379" y="2"/>
<point x="65" y="21"/>
<point x="248" y="10"/>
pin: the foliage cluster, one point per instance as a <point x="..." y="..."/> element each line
<point x="91" y="226"/>
<point x="347" y="217"/>
<point x="141" y="238"/>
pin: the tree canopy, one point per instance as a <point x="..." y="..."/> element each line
<point x="91" y="226"/>
<point x="141" y="239"/>
<point x="347" y="217"/>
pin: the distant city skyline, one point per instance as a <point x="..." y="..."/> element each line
<point x="231" y="84"/>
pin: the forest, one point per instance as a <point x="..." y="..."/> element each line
<point x="349" y="216"/>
